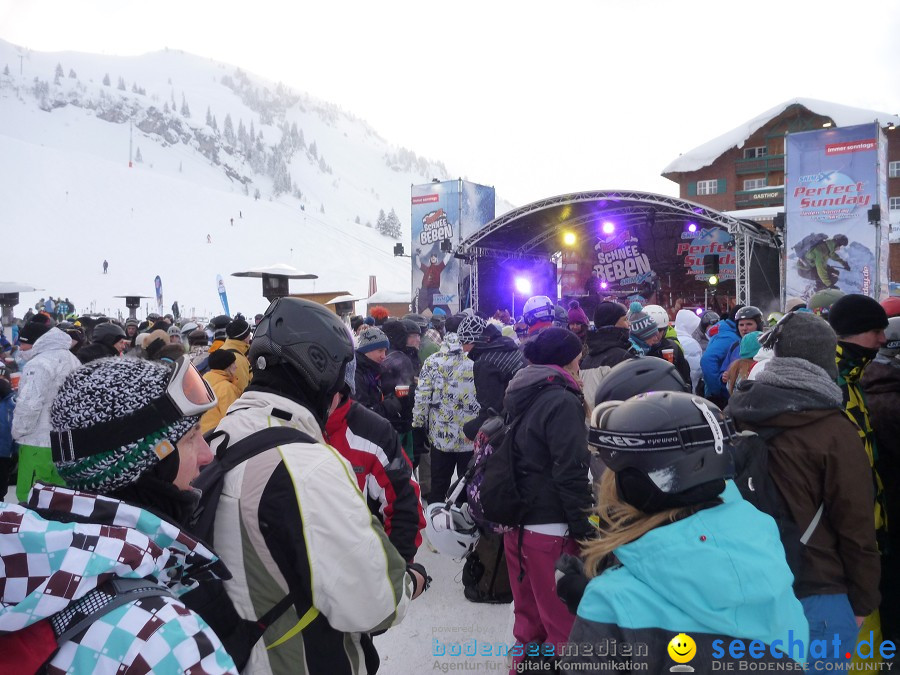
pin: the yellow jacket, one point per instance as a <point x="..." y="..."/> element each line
<point x="240" y="349"/>
<point x="226" y="392"/>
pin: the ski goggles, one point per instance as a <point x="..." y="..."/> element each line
<point x="187" y="394"/>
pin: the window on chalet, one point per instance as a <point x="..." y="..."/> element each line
<point x="753" y="153"/>
<point x="754" y="183"/>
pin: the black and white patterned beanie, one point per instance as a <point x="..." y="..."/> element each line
<point x="105" y="390"/>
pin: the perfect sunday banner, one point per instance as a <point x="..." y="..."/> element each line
<point x="831" y="182"/>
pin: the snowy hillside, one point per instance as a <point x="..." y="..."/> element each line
<point x="302" y="180"/>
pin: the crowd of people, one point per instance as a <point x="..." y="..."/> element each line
<point x="107" y="425"/>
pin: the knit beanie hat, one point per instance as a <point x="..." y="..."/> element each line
<point x="750" y="344"/>
<point x="221" y="359"/>
<point x="608" y="313"/>
<point x="576" y="314"/>
<point x="370" y="339"/>
<point x="111" y="389"/>
<point x="853" y="314"/>
<point x="553" y="346"/>
<point x="31" y="331"/>
<point x="807" y="336"/>
<point x="643" y="326"/>
<point x="237" y="329"/>
<point x="470" y="329"/>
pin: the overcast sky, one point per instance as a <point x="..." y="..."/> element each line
<point x="535" y="98"/>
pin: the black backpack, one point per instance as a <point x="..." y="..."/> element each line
<point x="751" y="464"/>
<point x="492" y="487"/>
<point x="210" y="600"/>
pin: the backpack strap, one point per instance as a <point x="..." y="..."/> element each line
<point x="767" y="434"/>
<point x="119" y="591"/>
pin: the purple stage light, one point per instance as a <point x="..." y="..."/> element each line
<point x="523" y="285"/>
<point x="692" y="227"/>
<point x="699" y="311"/>
<point x="608" y="228"/>
<point x="604" y="285"/>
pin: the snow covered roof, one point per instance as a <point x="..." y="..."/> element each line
<point x="389" y="297"/>
<point x="15" y="287"/>
<point x="842" y="115"/>
<point x="277" y="269"/>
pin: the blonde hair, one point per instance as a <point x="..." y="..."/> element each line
<point x="621" y="523"/>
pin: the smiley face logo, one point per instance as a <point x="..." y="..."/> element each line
<point x="682" y="648"/>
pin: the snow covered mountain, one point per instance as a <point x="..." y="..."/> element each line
<point x="229" y="172"/>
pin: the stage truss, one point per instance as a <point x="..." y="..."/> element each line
<point x="525" y="233"/>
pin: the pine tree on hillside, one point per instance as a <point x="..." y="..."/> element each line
<point x="6" y="70"/>
<point x="57" y="76"/>
<point x="106" y="80"/>
<point x="185" y="109"/>
<point x="357" y="220"/>
<point x="393" y="225"/>
<point x="256" y="194"/>
<point x="252" y="133"/>
<point x="215" y="124"/>
<point x="381" y="223"/>
<point x="322" y="208"/>
<point x="243" y="139"/>
<point x="228" y="130"/>
<point x="138" y="157"/>
<point x="72" y="74"/>
<point x="301" y="142"/>
<point x="209" y="121"/>
<point x="174" y="106"/>
<point x="121" y="85"/>
<point x="313" y="150"/>
<point x="134" y="88"/>
<point x="281" y="177"/>
<point x="166" y="108"/>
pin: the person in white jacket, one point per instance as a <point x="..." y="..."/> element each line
<point x="48" y="362"/>
<point x="686" y="322"/>
<point x="291" y="520"/>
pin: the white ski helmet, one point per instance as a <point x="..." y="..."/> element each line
<point x="450" y="529"/>
<point x="659" y="315"/>
<point x="537" y="308"/>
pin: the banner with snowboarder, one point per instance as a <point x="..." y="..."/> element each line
<point x="223" y="296"/>
<point x="157" y="283"/>
<point x="443" y="214"/>
<point x="831" y="184"/>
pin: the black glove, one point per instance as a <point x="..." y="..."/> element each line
<point x="570" y="581"/>
<point x="420" y="568"/>
<point x="420" y="441"/>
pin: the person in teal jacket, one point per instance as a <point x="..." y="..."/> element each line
<point x="684" y="566"/>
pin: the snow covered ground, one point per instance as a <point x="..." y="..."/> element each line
<point x="443" y="614"/>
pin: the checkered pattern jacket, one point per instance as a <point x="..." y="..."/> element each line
<point x="67" y="543"/>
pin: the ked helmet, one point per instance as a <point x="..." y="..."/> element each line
<point x="667" y="449"/>
<point x="638" y="376"/>
<point x="538" y="308"/>
<point x="306" y="338"/>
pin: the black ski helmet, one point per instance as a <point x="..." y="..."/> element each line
<point x="638" y="376"/>
<point x="108" y="333"/>
<point x="308" y="339"/>
<point x="749" y="312"/>
<point x="667" y="449"/>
